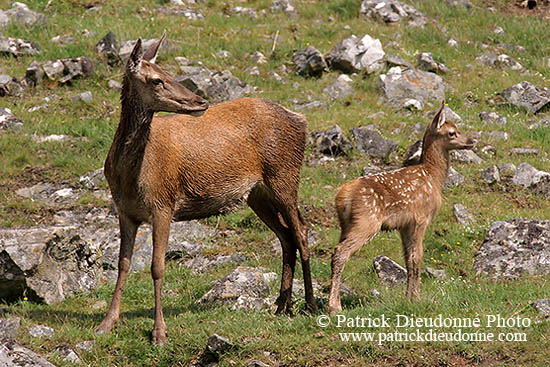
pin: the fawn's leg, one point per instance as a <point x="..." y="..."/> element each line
<point x="128" y="230"/>
<point x="411" y="239"/>
<point x="161" y="231"/>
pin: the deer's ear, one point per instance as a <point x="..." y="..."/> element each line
<point x="153" y="51"/>
<point x="439" y="118"/>
<point x="134" y="61"/>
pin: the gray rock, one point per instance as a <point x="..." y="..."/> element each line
<point x="309" y="62"/>
<point x="41" y="331"/>
<point x="243" y="11"/>
<point x="18" y="47"/>
<point x="394" y="60"/>
<point x="491" y="175"/>
<point x="528" y="96"/>
<point x="527" y="175"/>
<point x="542" y="306"/>
<point x="62" y="70"/>
<point x="353" y="55"/>
<point x="92" y="179"/>
<point x="67" y="354"/>
<point x="375" y="293"/>
<point x="113" y="84"/>
<point x="524" y="151"/>
<point x="87" y="345"/>
<point x="8" y="121"/>
<point x="513" y="248"/>
<point x="187" y="13"/>
<point x="63" y="39"/>
<point x="466" y="3"/>
<point x="492" y="117"/>
<point x="58" y="139"/>
<point x="9" y="328"/>
<point x="391" y="11"/>
<point x="413" y="154"/>
<point x="201" y="264"/>
<point x="84" y="97"/>
<point x="218" y="344"/>
<point x="502" y="61"/>
<point x="309" y="105"/>
<point x="127" y="47"/>
<point x="22" y="15"/>
<point x="11" y="86"/>
<point x="454" y="179"/>
<point x="426" y="62"/>
<point x="108" y="47"/>
<point x="542" y="187"/>
<point x="258" y="58"/>
<point x="15" y="355"/>
<point x="507" y="169"/>
<point x="252" y="303"/>
<point x="338" y="90"/>
<point x="451" y="115"/>
<point x="53" y="262"/>
<point x="466" y="156"/>
<point x="331" y="142"/>
<point x="215" y="86"/>
<point x="273" y="75"/>
<point x="372" y="143"/>
<point x="243" y="281"/>
<point x="252" y="70"/>
<point x="399" y="86"/>
<point x="284" y="6"/>
<point x="389" y="272"/>
<point x="463" y="215"/>
<point x="50" y="194"/>
<point x="436" y="273"/>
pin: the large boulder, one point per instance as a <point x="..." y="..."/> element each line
<point x="400" y="87"/>
<point x="392" y="11"/>
<point x="527" y="96"/>
<point x="513" y="248"/>
<point x="372" y="143"/>
<point x="354" y="54"/>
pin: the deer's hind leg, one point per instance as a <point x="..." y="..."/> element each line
<point x="261" y="202"/>
<point x="412" y="238"/>
<point x="352" y="238"/>
<point x="128" y="230"/>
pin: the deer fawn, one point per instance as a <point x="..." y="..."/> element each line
<point x="406" y="199"/>
<point x="179" y="167"/>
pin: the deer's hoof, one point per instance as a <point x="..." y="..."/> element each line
<point x="105" y="326"/>
<point x="160" y="337"/>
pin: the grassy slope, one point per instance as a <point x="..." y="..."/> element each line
<point x="291" y="340"/>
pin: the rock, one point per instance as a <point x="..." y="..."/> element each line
<point x="527" y="175"/>
<point x="542" y="187"/>
<point x="252" y="303"/>
<point x="84" y="97"/>
<point x="201" y="264"/>
<point x="466" y="3"/>
<point x="389" y="272"/>
<point x="215" y="86"/>
<point x="498" y="30"/>
<point x="454" y="179"/>
<point x="108" y="46"/>
<point x="450" y="115"/>
<point x="375" y="293"/>
<point x="542" y="306"/>
<point x="9" y="328"/>
<point x="513" y="248"/>
<point x="413" y="105"/>
<point x="57" y="138"/>
<point x="252" y="70"/>
<point x="394" y="60"/>
<point x="92" y="179"/>
<point x="276" y="77"/>
<point x="524" y="151"/>
<point x="399" y="86"/>
<point x="243" y="11"/>
<point x="436" y="273"/>
<point x="258" y="58"/>
<point x="8" y="121"/>
<point x="18" y="47"/>
<point x="391" y="11"/>
<point x="528" y="96"/>
<point x="372" y="143"/>
<point x="412" y="157"/>
<point x="62" y="70"/>
<point x="309" y="62"/>
<point x="11" y="86"/>
<point x="310" y="105"/>
<point x="353" y="55"/>
<point x="53" y="263"/>
<point x="50" y="194"/>
<point x="285" y="6"/>
<point x="218" y="344"/>
<point x="466" y="156"/>
<point x="452" y="43"/>
<point x="257" y="363"/>
<point x="67" y="354"/>
<point x="502" y="61"/>
<point x="299" y="290"/>
<point x="312" y="239"/>
<point x="87" y="345"/>
<point x="463" y="215"/>
<point x="426" y="62"/>
<point x="41" y="331"/>
<point x="243" y="281"/>
<point x="338" y="90"/>
<point x="223" y="54"/>
<point x="507" y="169"/>
<point x="331" y="142"/>
<point x="22" y="15"/>
<point x="491" y="175"/>
<point x="492" y="117"/>
<point x="15" y="355"/>
<point x="63" y="39"/>
<point x="113" y="84"/>
<point x="187" y="13"/>
<point x="127" y="47"/>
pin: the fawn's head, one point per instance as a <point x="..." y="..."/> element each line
<point x="446" y="133"/>
<point x="158" y="89"/>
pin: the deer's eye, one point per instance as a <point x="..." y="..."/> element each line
<point x="157" y="82"/>
<point x="452" y="134"/>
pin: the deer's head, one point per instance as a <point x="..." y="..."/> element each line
<point x="446" y="133"/>
<point x="158" y="89"/>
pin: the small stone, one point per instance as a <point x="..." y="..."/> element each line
<point x="84" y="97"/>
<point x="67" y="354"/>
<point x="452" y="42"/>
<point x="466" y="156"/>
<point x="462" y="215"/>
<point x="524" y="151"/>
<point x="372" y="143"/>
<point x="492" y="117"/>
<point x="527" y="175"/>
<point x="331" y="142"/>
<point x="436" y="273"/>
<point x="9" y="327"/>
<point x="258" y="58"/>
<point x="454" y="179"/>
<point x="223" y="54"/>
<point x="426" y="62"/>
<point x="252" y="70"/>
<point x="87" y="345"/>
<point x="40" y="331"/>
<point x="491" y="175"/>
<point x="113" y="84"/>
<point x="542" y="306"/>
<point x="507" y="169"/>
<point x="388" y="271"/>
<point x="498" y="30"/>
<point x="375" y="293"/>
<point x="338" y="90"/>
<point x="218" y="344"/>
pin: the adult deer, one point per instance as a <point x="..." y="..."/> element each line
<point x="406" y="199"/>
<point x="181" y="167"/>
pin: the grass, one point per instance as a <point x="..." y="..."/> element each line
<point x="293" y="341"/>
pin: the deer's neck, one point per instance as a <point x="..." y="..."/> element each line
<point x="436" y="161"/>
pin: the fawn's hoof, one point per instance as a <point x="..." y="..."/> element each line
<point x="159" y="336"/>
<point x="105" y="327"/>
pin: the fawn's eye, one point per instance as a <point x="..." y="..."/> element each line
<point x="452" y="134"/>
<point x="157" y="82"/>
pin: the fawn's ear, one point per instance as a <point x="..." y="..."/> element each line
<point x="134" y="61"/>
<point x="439" y="118"/>
<point x="153" y="51"/>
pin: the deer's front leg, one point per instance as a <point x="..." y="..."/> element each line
<point x="161" y="230"/>
<point x="413" y="248"/>
<point x="128" y="229"/>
